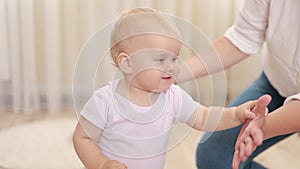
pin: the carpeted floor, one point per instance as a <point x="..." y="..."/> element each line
<point x="45" y="144"/>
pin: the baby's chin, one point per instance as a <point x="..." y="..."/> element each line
<point x="157" y="90"/>
<point x="160" y="90"/>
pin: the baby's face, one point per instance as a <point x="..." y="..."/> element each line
<point x="154" y="60"/>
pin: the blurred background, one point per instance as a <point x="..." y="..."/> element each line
<point x="41" y="40"/>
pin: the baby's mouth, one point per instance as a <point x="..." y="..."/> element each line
<point x="166" y="77"/>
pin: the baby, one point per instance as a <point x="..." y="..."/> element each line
<point x="127" y="123"/>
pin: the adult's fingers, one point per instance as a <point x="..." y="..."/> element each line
<point x="257" y="136"/>
<point x="236" y="159"/>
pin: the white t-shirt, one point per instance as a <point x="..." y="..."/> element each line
<point x="276" y="23"/>
<point x="134" y="135"/>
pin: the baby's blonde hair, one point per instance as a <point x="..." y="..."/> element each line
<point x="139" y="21"/>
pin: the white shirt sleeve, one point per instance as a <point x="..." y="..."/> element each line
<point x="184" y="104"/>
<point x="293" y="97"/>
<point x="248" y="33"/>
<point x="95" y="110"/>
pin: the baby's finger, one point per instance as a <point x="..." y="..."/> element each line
<point x="122" y="166"/>
<point x="250" y="115"/>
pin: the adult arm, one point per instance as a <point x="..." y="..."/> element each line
<point x="283" y="120"/>
<point x="221" y="55"/>
<point x="244" y="38"/>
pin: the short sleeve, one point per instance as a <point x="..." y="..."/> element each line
<point x="185" y="106"/>
<point x="248" y="33"/>
<point x="95" y="110"/>
<point x="293" y="97"/>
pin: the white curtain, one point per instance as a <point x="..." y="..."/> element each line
<point x="19" y="87"/>
<point x="40" y="41"/>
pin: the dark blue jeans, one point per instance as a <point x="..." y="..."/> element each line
<point x="215" y="150"/>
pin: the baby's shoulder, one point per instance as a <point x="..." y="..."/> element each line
<point x="103" y="92"/>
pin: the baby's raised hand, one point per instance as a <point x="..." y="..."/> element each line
<point x="113" y="164"/>
<point x="251" y="134"/>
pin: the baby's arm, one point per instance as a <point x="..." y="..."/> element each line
<point x="85" y="137"/>
<point x="219" y="118"/>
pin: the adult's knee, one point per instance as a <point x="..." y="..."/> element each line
<point x="203" y="156"/>
<point x="215" y="151"/>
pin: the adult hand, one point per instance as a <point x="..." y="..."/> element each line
<point x="251" y="134"/>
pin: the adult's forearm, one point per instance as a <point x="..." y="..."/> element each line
<point x="221" y="55"/>
<point x="284" y="120"/>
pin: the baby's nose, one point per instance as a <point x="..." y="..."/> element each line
<point x="170" y="66"/>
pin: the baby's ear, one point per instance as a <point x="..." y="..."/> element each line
<point x="123" y="61"/>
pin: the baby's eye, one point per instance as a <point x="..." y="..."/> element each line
<point x="161" y="59"/>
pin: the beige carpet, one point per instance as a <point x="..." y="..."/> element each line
<point x="47" y="144"/>
<point x="39" y="145"/>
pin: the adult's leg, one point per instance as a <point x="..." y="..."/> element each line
<point x="215" y="150"/>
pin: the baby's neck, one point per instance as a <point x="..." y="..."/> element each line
<point x="135" y="95"/>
